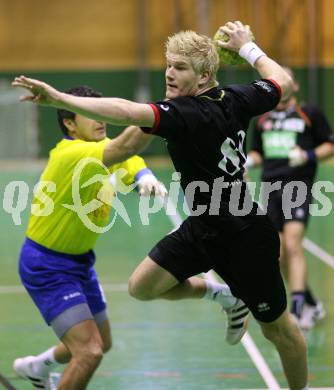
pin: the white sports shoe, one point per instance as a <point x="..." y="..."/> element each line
<point x="237" y="322"/>
<point x="311" y="315"/>
<point x="24" y="368"/>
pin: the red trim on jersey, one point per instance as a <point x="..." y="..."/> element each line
<point x="304" y="116"/>
<point x="156" y="119"/>
<point x="277" y="86"/>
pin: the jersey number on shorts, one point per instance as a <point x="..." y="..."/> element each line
<point x="231" y="152"/>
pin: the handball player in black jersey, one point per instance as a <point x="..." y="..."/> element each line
<point x="205" y="128"/>
<point x="288" y="141"/>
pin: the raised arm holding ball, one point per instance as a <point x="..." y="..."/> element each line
<point x="205" y="128"/>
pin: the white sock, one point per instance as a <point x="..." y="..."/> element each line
<point x="220" y="293"/>
<point x="45" y="361"/>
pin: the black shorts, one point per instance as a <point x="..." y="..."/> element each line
<point x="247" y="260"/>
<point x="281" y="212"/>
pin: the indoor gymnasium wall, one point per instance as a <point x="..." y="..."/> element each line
<point x="104" y="43"/>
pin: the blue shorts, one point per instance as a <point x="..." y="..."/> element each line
<point x="57" y="281"/>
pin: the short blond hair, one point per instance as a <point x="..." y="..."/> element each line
<point x="200" y="49"/>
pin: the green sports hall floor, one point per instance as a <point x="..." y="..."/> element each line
<point x="161" y="345"/>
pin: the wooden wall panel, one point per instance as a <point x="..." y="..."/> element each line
<point x="104" y="34"/>
<point x="67" y="34"/>
<point x="327" y="27"/>
<point x="161" y="23"/>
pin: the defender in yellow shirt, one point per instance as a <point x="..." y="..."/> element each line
<point x="62" y="230"/>
<point x="57" y="258"/>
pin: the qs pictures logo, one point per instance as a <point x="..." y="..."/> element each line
<point x="105" y="196"/>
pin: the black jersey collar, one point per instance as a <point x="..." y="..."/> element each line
<point x="214" y="93"/>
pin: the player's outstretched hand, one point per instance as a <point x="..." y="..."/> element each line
<point x="149" y="184"/>
<point x="40" y="92"/>
<point x="239" y="35"/>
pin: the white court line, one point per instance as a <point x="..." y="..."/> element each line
<point x="253" y="351"/>
<point x="247" y="340"/>
<point x="318" y="252"/>
<point x="110" y="287"/>
<point x="309" y="245"/>
<point x="12" y="289"/>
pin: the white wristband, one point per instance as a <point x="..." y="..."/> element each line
<point x="251" y="52"/>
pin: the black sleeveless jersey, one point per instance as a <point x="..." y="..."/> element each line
<point x="205" y="136"/>
<point x="278" y="131"/>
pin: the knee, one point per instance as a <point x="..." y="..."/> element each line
<point x="96" y="354"/>
<point x="281" y="335"/>
<point x="270" y="332"/>
<point x="94" y="351"/>
<point x="90" y="355"/>
<point x="137" y="291"/>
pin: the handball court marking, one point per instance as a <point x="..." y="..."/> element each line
<point x="318" y="252"/>
<point x="309" y="245"/>
<point x="6" y="384"/>
<point x="247" y="341"/>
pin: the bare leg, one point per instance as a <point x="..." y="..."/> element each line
<point x="84" y="342"/>
<point x="293" y="234"/>
<point x="150" y="281"/>
<point x="62" y="355"/>
<point x="193" y="287"/>
<point x="291" y="346"/>
<point x="282" y="258"/>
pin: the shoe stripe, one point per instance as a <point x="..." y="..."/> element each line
<point x="34" y="379"/>
<point x="239" y="317"/>
<point x="237" y="326"/>
<point x="36" y="382"/>
<point x="240" y="308"/>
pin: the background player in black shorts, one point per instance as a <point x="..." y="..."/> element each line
<point x="205" y="128"/>
<point x="289" y="141"/>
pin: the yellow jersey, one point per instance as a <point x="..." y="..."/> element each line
<point x="75" y="182"/>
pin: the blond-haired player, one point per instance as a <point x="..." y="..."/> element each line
<point x="205" y="128"/>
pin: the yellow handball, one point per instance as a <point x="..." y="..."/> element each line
<point x="226" y="56"/>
